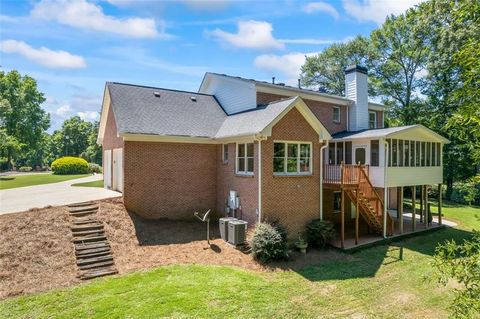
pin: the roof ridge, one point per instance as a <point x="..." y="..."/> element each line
<point x="158" y="88"/>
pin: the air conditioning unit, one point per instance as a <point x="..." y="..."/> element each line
<point x="237" y="230"/>
<point x="223" y="224"/>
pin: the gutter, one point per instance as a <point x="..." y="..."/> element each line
<point x="259" y="138"/>
<point x="321" y="179"/>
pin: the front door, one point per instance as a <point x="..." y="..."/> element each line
<point x="360" y="155"/>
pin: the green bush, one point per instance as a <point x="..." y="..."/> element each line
<point x="465" y="193"/>
<point x="94" y="168"/>
<point x="320" y="232"/>
<point x="25" y="169"/>
<point x="269" y="242"/>
<point x="70" y="165"/>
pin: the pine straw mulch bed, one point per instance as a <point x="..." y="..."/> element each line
<point x="36" y="253"/>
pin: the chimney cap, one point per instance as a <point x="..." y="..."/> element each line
<point x="356" y="68"/>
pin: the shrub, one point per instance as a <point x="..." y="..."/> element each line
<point x="320" y="232"/>
<point x="94" y="168"/>
<point x="269" y="242"/>
<point x="25" y="169"/>
<point x="70" y="165"/>
<point x="465" y="193"/>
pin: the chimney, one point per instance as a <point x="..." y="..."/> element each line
<point x="356" y="89"/>
<point x="273" y="80"/>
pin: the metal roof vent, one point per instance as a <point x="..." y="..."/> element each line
<point x="156" y="93"/>
<point x="193" y="98"/>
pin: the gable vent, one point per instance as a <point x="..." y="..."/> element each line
<point x="156" y="93"/>
<point x="193" y="98"/>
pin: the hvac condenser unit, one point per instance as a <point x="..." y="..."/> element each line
<point x="223" y="224"/>
<point x="237" y="232"/>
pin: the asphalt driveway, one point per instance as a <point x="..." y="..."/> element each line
<point x="55" y="194"/>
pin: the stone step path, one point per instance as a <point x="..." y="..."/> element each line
<point x="93" y="254"/>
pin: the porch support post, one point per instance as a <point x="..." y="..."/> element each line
<point x="421" y="203"/>
<point x="342" y="214"/>
<point x="400" y="200"/>
<point x="414" y="208"/>
<point x="426" y="206"/>
<point x="440" y="204"/>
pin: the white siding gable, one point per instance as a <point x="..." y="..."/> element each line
<point x="235" y="95"/>
<point x="356" y="88"/>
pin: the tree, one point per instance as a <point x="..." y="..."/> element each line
<point x="461" y="263"/>
<point x="326" y="70"/>
<point x="93" y="153"/>
<point x="21" y="116"/>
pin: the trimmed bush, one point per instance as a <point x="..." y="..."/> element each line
<point x="320" y="232"/>
<point x="94" y="168"/>
<point x="70" y="165"/>
<point x="269" y="242"/>
<point x="25" y="169"/>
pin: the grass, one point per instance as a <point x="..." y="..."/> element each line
<point x="98" y="183"/>
<point x="372" y="283"/>
<point x="36" y="179"/>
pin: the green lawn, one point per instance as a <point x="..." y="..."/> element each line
<point x="98" y="183"/>
<point x="373" y="283"/>
<point x="36" y="179"/>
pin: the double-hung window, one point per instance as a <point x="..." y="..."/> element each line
<point x="336" y="114"/>
<point x="372" y="119"/>
<point x="245" y="158"/>
<point x="292" y="158"/>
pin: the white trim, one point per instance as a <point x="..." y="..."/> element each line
<point x="104" y="115"/>
<point x="322" y="149"/>
<point x="375" y="119"/>
<point x="334" y="107"/>
<point x="246" y="157"/>
<point x="297" y="173"/>
<point x="167" y="139"/>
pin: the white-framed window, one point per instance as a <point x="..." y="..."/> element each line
<point x="225" y="153"/>
<point x="245" y="159"/>
<point x="292" y="158"/>
<point x="372" y="119"/>
<point x="336" y="114"/>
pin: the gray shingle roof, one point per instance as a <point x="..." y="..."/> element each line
<point x="137" y="110"/>
<point x="387" y="132"/>
<point x="252" y="122"/>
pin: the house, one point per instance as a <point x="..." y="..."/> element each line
<point x="288" y="154"/>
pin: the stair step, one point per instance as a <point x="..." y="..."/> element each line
<point x="99" y="272"/>
<point x="94" y="254"/>
<point x="93" y="260"/>
<point x="89" y="232"/>
<point x="92" y="251"/>
<point x="85" y="221"/>
<point x="81" y="209"/>
<point x="80" y="204"/>
<point x="83" y="213"/>
<point x="86" y="227"/>
<point x="89" y="239"/>
<point x="96" y="265"/>
<point x="91" y="245"/>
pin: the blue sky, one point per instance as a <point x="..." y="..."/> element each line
<point x="73" y="47"/>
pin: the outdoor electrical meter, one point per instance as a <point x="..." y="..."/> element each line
<point x="237" y="230"/>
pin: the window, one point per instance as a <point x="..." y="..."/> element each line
<point x="429" y="148"/>
<point x="245" y="158"/>
<point x="434" y="154"/>
<point x="331" y="153"/>
<point x="439" y="151"/>
<point x="374" y="152"/>
<point x="336" y="114"/>
<point x="412" y="153"/>
<point x="423" y="154"/>
<point x="339" y="153"/>
<point x="292" y="158"/>
<point x="389" y="142"/>
<point x="400" y="152"/>
<point x="348" y="152"/>
<point x="225" y="153"/>
<point x="394" y="153"/>
<point x="337" y="202"/>
<point x="407" y="153"/>
<point x="372" y="119"/>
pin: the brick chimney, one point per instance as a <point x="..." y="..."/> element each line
<point x="356" y="89"/>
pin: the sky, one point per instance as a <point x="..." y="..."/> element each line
<point x="72" y="47"/>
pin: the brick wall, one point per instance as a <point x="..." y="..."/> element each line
<point x="110" y="139"/>
<point x="169" y="180"/>
<point x="292" y="200"/>
<point x="323" y="111"/>
<point x="246" y="186"/>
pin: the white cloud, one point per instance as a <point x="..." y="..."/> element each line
<point x="43" y="56"/>
<point x="89" y="16"/>
<point x="321" y="7"/>
<point x="314" y="41"/>
<point x="88" y="115"/>
<point x="251" y="34"/>
<point x="287" y="65"/>
<point x="376" y="10"/>
<point x="63" y="110"/>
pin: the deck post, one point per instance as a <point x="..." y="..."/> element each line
<point x="401" y="209"/>
<point x="440" y="203"/>
<point x="414" y="208"/>
<point x="342" y="214"/>
<point x="398" y="202"/>
<point x="421" y="203"/>
<point x="426" y="206"/>
<point x="357" y="212"/>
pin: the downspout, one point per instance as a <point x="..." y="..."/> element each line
<point x="385" y="192"/>
<point x="259" y="138"/>
<point x="321" y="177"/>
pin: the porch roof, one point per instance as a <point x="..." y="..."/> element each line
<point x="413" y="132"/>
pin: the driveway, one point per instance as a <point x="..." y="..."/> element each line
<point x="38" y="196"/>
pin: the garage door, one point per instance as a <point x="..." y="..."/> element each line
<point x="107" y="169"/>
<point x="118" y="169"/>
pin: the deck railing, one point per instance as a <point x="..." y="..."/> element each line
<point x="346" y="174"/>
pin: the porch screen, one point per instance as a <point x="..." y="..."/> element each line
<point x="374" y="152"/>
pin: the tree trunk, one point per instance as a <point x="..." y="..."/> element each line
<point x="448" y="192"/>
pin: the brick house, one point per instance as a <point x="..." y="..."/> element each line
<point x="288" y="154"/>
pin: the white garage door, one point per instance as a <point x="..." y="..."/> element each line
<point x="107" y="169"/>
<point x="118" y="169"/>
